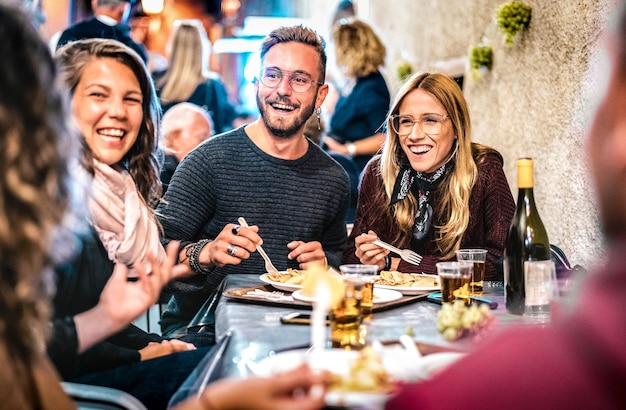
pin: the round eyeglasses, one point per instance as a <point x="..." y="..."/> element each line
<point x="299" y="81"/>
<point x="430" y="124"/>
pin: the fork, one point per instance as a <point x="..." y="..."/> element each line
<point x="269" y="266"/>
<point x="406" y="254"/>
<point x="266" y="294"/>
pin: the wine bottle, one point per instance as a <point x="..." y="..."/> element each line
<point x="527" y="239"/>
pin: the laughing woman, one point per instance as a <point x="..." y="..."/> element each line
<point x="431" y="189"/>
<point x="115" y="108"/>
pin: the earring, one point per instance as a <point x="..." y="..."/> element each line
<point x="318" y="112"/>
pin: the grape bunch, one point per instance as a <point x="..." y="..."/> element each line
<point x="456" y="320"/>
<point x="512" y="18"/>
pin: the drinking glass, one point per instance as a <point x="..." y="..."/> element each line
<point x="540" y="288"/>
<point x="346" y="316"/>
<point x="478" y="258"/>
<point x="366" y="273"/>
<point x="455" y="278"/>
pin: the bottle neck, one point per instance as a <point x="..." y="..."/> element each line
<point x="525" y="175"/>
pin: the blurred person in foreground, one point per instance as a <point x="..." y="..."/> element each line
<point x="293" y="195"/>
<point x="432" y="189"/>
<point x="185" y="126"/>
<point x="108" y="21"/>
<point x="35" y="191"/>
<point x="579" y="359"/>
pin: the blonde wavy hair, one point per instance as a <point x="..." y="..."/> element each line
<point x="452" y="213"/>
<point x="359" y="51"/>
<point x="35" y="148"/>
<point x="189" y="52"/>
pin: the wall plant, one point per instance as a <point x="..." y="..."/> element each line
<point x="511" y="18"/>
<point x="404" y="70"/>
<point x="480" y="59"/>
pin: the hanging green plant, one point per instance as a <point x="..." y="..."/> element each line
<point x="512" y="18"/>
<point x="403" y="70"/>
<point x="480" y="59"/>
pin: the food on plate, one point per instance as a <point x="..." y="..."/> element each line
<point x="367" y="374"/>
<point x="318" y="279"/>
<point x="290" y="276"/>
<point x="408" y="280"/>
<point x="456" y="320"/>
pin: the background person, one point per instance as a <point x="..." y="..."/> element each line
<point x="108" y="21"/>
<point x="356" y="124"/>
<point x="431" y="190"/>
<point x="185" y="126"/>
<point x="291" y="192"/>
<point x="188" y="77"/>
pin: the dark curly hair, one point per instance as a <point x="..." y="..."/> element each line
<point x="34" y="191"/>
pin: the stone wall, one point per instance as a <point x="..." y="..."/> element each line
<point x="535" y="102"/>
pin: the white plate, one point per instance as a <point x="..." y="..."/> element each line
<point x="287" y="287"/>
<point x="335" y="360"/>
<point x="408" y="290"/>
<point x="396" y="361"/>
<point x="380" y="296"/>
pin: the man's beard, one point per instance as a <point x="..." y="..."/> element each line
<point x="286" y="131"/>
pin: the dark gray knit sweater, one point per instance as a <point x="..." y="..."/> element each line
<point x="228" y="176"/>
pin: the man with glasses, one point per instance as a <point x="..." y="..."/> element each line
<point x="292" y="194"/>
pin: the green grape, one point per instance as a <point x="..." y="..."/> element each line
<point x="456" y="320"/>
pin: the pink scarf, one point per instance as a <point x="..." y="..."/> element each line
<point x="125" y="224"/>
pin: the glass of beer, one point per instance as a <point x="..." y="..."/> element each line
<point x="346" y="316"/>
<point x="366" y="273"/>
<point x="478" y="257"/>
<point x="455" y="279"/>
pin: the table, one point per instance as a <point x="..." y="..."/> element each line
<point x="257" y="330"/>
<point x="248" y="333"/>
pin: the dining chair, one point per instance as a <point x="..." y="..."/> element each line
<point x="89" y="397"/>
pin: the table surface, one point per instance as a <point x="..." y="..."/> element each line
<point x="256" y="329"/>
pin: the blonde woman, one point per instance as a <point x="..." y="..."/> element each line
<point x="431" y="189"/>
<point x="188" y="77"/>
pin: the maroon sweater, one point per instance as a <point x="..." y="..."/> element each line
<point x="491" y="210"/>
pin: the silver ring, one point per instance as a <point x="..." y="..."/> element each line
<point x="235" y="230"/>
<point x="232" y="250"/>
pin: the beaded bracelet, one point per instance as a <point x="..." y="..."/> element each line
<point x="193" y="254"/>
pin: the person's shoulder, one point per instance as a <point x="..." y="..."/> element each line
<point x="485" y="156"/>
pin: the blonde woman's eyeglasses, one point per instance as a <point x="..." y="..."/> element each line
<point x="430" y="124"/>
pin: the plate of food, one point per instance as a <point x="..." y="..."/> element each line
<point x="289" y="280"/>
<point x="358" y="378"/>
<point x="380" y="296"/>
<point x="365" y="378"/>
<point x="407" y="283"/>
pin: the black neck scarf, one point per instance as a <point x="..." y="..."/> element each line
<point x="422" y="184"/>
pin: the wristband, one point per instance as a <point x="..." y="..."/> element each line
<point x="193" y="254"/>
<point x="387" y="262"/>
